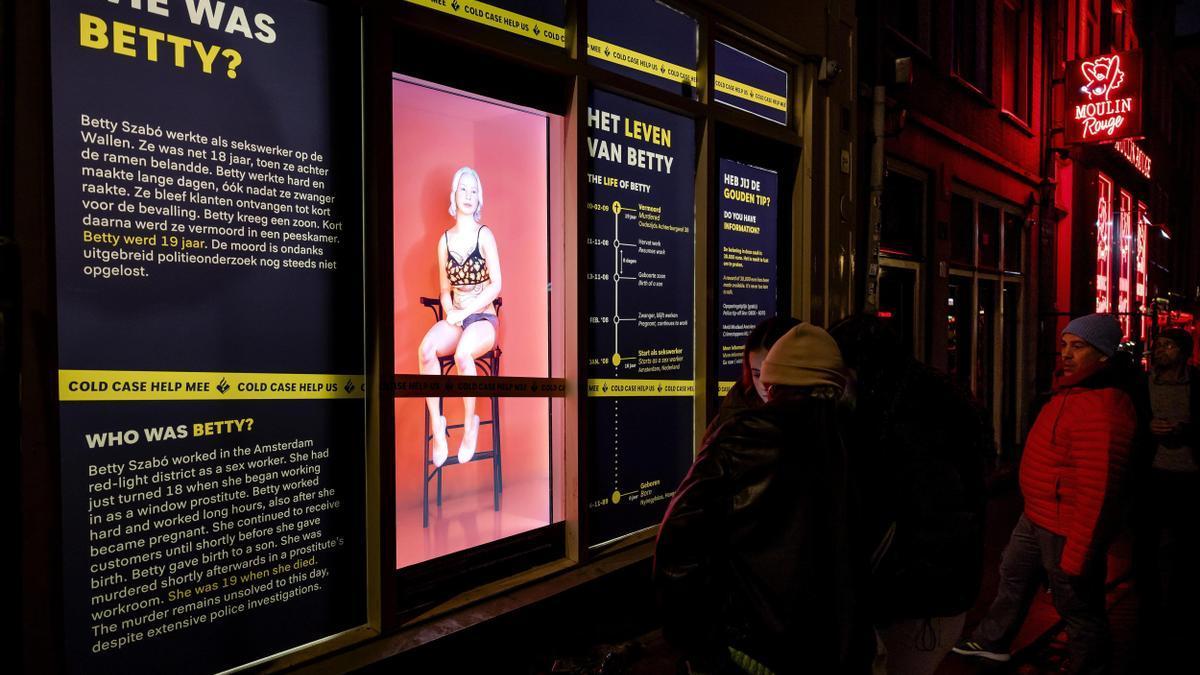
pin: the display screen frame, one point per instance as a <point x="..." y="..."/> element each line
<point x="418" y="587"/>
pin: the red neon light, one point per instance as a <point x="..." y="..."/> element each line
<point x="884" y="314"/>
<point x="1100" y="115"/>
<point x="1125" y="262"/>
<point x="1104" y="76"/>
<point x="1104" y="98"/>
<point x="1143" y="234"/>
<point x="1136" y="156"/>
<point x="1104" y="188"/>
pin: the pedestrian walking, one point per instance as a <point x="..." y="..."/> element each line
<point x="755" y="564"/>
<point x="918" y="448"/>
<point x="1071" y="477"/>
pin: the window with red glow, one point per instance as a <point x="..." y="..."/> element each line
<point x="1015" y="59"/>
<point x="972" y="54"/>
<point x="989" y="237"/>
<point x="1125" y="262"/>
<point x="1104" y="189"/>
<point x="1088" y="40"/>
<point x="1123" y="36"/>
<point x="1141" y="291"/>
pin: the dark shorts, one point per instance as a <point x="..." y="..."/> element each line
<point x="482" y="316"/>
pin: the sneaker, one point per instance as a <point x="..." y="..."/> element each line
<point x="983" y="651"/>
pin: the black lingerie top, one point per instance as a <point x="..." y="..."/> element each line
<point x="470" y="271"/>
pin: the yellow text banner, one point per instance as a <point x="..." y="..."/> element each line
<point x="607" y="51"/>
<point x="752" y="94"/>
<point x="496" y="17"/>
<point x="164" y="385"/>
<point x="619" y="388"/>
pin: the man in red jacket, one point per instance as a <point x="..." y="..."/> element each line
<point x="1071" y="472"/>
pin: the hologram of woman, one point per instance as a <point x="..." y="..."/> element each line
<point x="469" y="280"/>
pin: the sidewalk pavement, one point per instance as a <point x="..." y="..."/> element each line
<point x="1040" y="647"/>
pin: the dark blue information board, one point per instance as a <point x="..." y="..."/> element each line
<point x="750" y="84"/>
<point x="640" y="277"/>
<point x="209" y="281"/>
<point x="647" y="41"/>
<point x="747" y="244"/>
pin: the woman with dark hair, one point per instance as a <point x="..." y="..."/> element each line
<point x="749" y="392"/>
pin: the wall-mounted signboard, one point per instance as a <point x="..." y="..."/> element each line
<point x="1133" y="153"/>
<point x="1104" y="98"/>
<point x="750" y="84"/>
<point x="645" y="40"/>
<point x="747" y="244"/>
<point x="210" y="327"/>
<point x="539" y="20"/>
<point x="640" y="275"/>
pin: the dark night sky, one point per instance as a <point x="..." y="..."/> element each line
<point x="1187" y="17"/>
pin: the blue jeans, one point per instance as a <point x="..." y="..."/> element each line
<point x="1033" y="553"/>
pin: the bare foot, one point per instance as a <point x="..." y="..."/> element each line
<point x="441" y="449"/>
<point x="466" y="450"/>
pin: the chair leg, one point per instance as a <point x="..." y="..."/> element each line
<point x="442" y="412"/>
<point x="497" y="485"/>
<point x="496" y="444"/>
<point x="425" y="476"/>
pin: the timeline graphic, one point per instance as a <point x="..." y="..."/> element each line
<point x="640" y="276"/>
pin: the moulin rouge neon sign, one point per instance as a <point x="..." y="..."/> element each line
<point x="1104" y="99"/>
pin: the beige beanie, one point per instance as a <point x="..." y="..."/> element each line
<point x="806" y="356"/>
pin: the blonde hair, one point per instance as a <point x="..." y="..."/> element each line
<point x="458" y="175"/>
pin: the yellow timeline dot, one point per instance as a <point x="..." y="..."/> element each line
<point x="617" y="208"/>
<point x="616" y="359"/>
<point x="616" y="498"/>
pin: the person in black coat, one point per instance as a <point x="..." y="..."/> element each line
<point x="918" y="448"/>
<point x="1167" y="504"/>
<point x="755" y="565"/>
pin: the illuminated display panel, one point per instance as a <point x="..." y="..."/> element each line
<point x="538" y="20"/>
<point x="473" y="225"/>
<point x="750" y="84"/>
<point x="1141" y="287"/>
<point x="1104" y="190"/>
<point x="1125" y="262"/>
<point x="641" y="247"/>
<point x="748" y="244"/>
<point x="1104" y="98"/>
<point x="645" y="40"/>
<point x="208" y="434"/>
